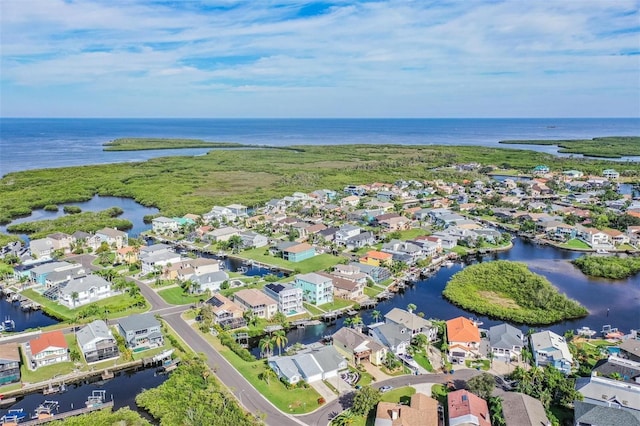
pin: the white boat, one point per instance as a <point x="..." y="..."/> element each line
<point x="585" y="331"/>
<point x="602" y="251"/>
<point x="448" y="264"/>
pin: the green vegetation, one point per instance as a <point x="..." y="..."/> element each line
<point x="177" y="296"/>
<point x="482" y="385"/>
<point x="141" y="144"/>
<point x="607" y="147"/>
<point x="401" y="395"/>
<point x="608" y="266"/>
<point x="316" y="263"/>
<point x="51" y="208"/>
<point x="6" y="239"/>
<point x="509" y="291"/>
<point x="576" y="244"/>
<point x="179" y="185"/>
<point x="123" y="416"/>
<point x="192" y="395"/>
<point x="72" y="209"/>
<point x="336" y="304"/>
<point x="87" y="221"/>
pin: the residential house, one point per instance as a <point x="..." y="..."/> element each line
<point x="316" y="289"/>
<point x="351" y="200"/>
<point x="309" y="366"/>
<point x="586" y="414"/>
<point x="447" y="241"/>
<point x="226" y="313"/>
<point x="96" y="342"/>
<point x="128" y="255"/>
<point x="573" y="174"/>
<point x="164" y="225"/>
<point x="610" y="174"/>
<point x="289" y="298"/>
<point x="350" y="272"/>
<point x="376" y="258"/>
<point x="593" y="236"/>
<point x="238" y="210"/>
<point x="113" y="237"/>
<point x="392" y="221"/>
<point x="627" y="370"/>
<point x="358" y="347"/>
<point x="549" y="348"/>
<point x="141" y="331"/>
<point x="403" y="251"/>
<point x="61" y="242"/>
<point x="523" y="410"/>
<point x="609" y="393"/>
<point x="257" y="302"/>
<point x="541" y="170"/>
<point x="506" y="342"/>
<point x="221" y="234"/>
<point x="9" y="363"/>
<point x="616" y="237"/>
<point x="630" y="349"/>
<point x="345" y="289"/>
<point x="208" y="282"/>
<point x="377" y="273"/>
<point x="345" y="232"/>
<point x="395" y="337"/>
<point x="467" y="409"/>
<point x="41" y="248"/>
<point x="83" y="290"/>
<point x="252" y="239"/>
<point x="40" y="273"/>
<point x="363" y="239"/>
<point x="463" y="338"/>
<point x="415" y="324"/>
<point x="298" y="252"/>
<point x="219" y="214"/>
<point x="421" y="411"/>
<point x="157" y="261"/>
<point x="85" y="239"/>
<point x="47" y="349"/>
<point x="154" y="249"/>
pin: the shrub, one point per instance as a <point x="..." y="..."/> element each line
<point x="71" y="209"/>
<point x="51" y="208"/>
<point x="229" y="342"/>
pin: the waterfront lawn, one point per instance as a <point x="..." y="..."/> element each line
<point x="316" y="263"/>
<point x="336" y="304"/>
<point x="115" y="307"/>
<point x="373" y="291"/>
<point x="292" y="401"/>
<point x="576" y="244"/>
<point x="409" y="234"/>
<point x="399" y="395"/>
<point x="9" y="388"/>
<point x="46" y="373"/>
<point x="312" y="309"/>
<point x="177" y="296"/>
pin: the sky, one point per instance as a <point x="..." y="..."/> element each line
<point x="264" y="58"/>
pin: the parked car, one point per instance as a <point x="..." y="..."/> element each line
<point x="386" y="388"/>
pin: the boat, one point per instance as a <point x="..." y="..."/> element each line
<point x="585" y="332"/>
<point x="46" y="410"/>
<point x="602" y="251"/>
<point x="611" y="332"/>
<point x="13" y="416"/>
<point x="448" y="263"/>
<point x="8" y="324"/>
<point x="476" y="321"/>
<point x="96" y="398"/>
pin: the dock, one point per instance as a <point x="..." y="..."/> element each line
<point x="64" y="415"/>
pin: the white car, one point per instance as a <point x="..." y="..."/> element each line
<point x="387" y="388"/>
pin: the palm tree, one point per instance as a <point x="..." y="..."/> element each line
<point x="268" y="374"/>
<point x="266" y="346"/>
<point x="356" y="321"/>
<point x="411" y="307"/>
<point x="74" y="297"/>
<point x="346" y="418"/>
<point x="348" y="322"/>
<point x="235" y="242"/>
<point x="280" y="340"/>
<point x="376" y="315"/>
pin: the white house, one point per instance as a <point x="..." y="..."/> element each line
<point x="82" y="290"/>
<point x="308" y="366"/>
<point x="163" y="225"/>
<point x="113" y="237"/>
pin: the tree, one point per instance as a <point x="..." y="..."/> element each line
<point x="235" y="242"/>
<point x="266" y="346"/>
<point x="482" y="385"/>
<point x="419" y="340"/>
<point x="74" y="297"/>
<point x="280" y="340"/>
<point x="268" y="374"/>
<point x="364" y="400"/>
<point x="376" y="315"/>
<point x="346" y="418"/>
<point x="411" y="307"/>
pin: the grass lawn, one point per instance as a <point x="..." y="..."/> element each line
<point x="312" y="309"/>
<point x="402" y="394"/>
<point x="336" y="304"/>
<point x="292" y="401"/>
<point x="483" y="364"/>
<point x="423" y="360"/>
<point x="176" y="296"/>
<point x="626" y="247"/>
<point x="46" y="373"/>
<point x="112" y="304"/>
<point x="460" y="251"/>
<point x="12" y="387"/>
<point x="365" y="378"/>
<point x="316" y="263"/>
<point x="575" y="244"/>
<point x="410" y="234"/>
<point x="372" y="291"/>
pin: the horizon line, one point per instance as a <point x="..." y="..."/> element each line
<point x="320" y="118"/>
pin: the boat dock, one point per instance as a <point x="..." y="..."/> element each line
<point x="50" y="417"/>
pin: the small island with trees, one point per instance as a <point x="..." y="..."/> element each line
<point x="612" y="267"/>
<point x="510" y="291"/>
<point x="142" y="144"/>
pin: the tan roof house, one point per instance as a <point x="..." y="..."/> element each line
<point x="256" y="301"/>
<point x="421" y="411"/>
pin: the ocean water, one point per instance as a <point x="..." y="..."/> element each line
<point x="27" y="143"/>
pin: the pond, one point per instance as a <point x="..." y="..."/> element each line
<point x="133" y="212"/>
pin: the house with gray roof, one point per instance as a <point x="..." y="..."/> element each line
<point x="394" y="337"/>
<point x="413" y="322"/>
<point x="549" y="348"/>
<point x="627" y="370"/>
<point x="113" y="237"/>
<point x="309" y="365"/>
<point x="83" y="290"/>
<point x="96" y="342"/>
<point x="357" y="346"/>
<point x="210" y="281"/>
<point x="141" y="331"/>
<point x="609" y="393"/>
<point x="9" y="363"/>
<point x="523" y="410"/>
<point x="506" y="342"/>
<point x="630" y="349"/>
<point x="150" y="263"/>
<point x="586" y="414"/>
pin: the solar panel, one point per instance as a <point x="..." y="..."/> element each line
<point x="215" y="302"/>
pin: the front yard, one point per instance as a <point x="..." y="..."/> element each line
<point x="177" y="296"/>
<point x="316" y="263"/>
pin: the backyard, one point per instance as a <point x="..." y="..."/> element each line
<point x="317" y="263"/>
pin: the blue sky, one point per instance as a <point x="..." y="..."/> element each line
<point x="225" y="58"/>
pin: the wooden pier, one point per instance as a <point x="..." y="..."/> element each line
<point x="64" y="415"/>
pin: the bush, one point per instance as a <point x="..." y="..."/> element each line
<point x="51" y="208"/>
<point x="71" y="209"/>
<point x="612" y="267"/>
<point x="229" y="342"/>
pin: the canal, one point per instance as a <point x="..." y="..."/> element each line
<point x="121" y="389"/>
